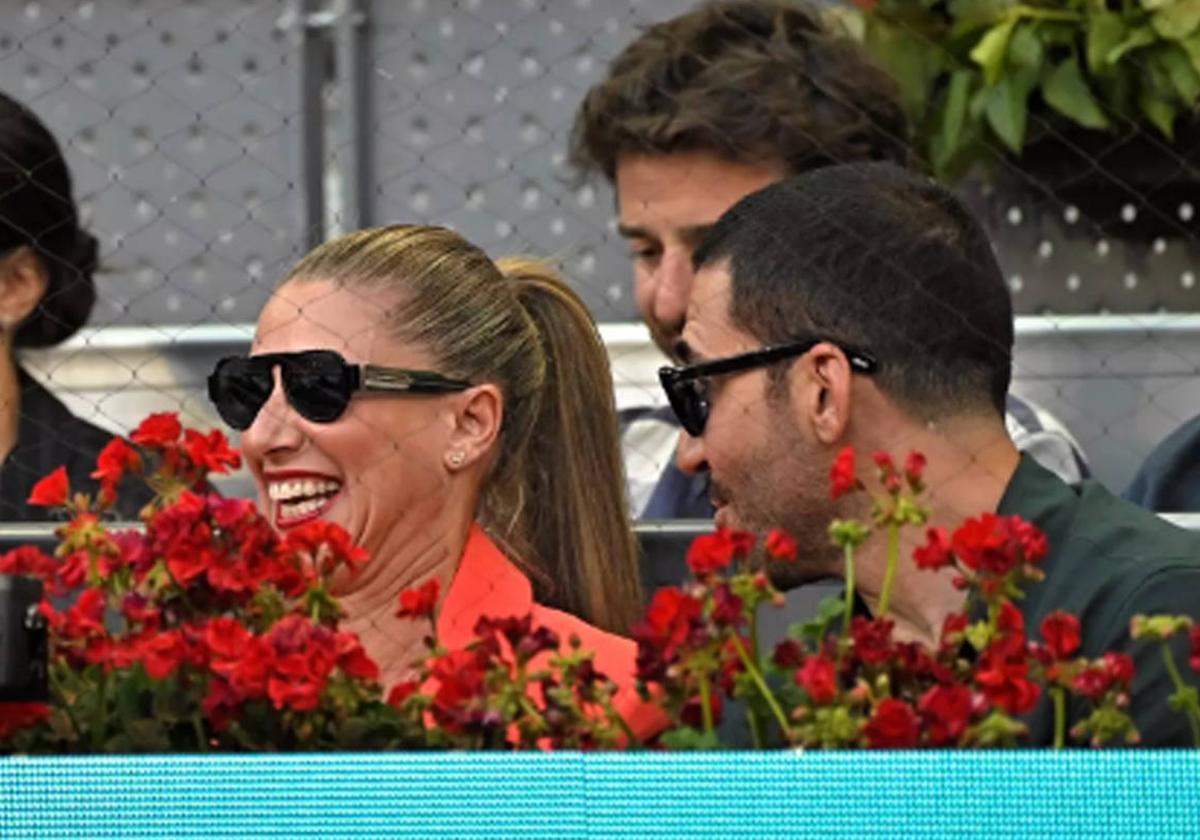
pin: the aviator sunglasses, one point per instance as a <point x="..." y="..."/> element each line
<point x="318" y="384"/>
<point x="687" y="387"/>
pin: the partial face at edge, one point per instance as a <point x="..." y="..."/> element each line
<point x="665" y="205"/>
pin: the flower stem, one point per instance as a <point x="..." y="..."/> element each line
<point x="764" y="689"/>
<point x="705" y="704"/>
<point x="100" y="716"/>
<point x="893" y="560"/>
<point x="60" y="690"/>
<point x="198" y="728"/>
<point x="753" y="722"/>
<point x="1060" y="716"/>
<point x="848" y="610"/>
<point x="1189" y="704"/>
<point x="610" y="711"/>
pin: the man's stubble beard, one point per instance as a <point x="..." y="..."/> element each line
<point x="793" y="494"/>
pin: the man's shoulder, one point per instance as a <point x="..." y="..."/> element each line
<point x="1169" y="478"/>
<point x="1117" y="559"/>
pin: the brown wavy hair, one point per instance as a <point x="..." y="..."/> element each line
<point x="555" y="498"/>
<point x="754" y="81"/>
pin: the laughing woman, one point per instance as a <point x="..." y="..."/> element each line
<point x="456" y="416"/>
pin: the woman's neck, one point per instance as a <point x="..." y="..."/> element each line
<point x="371" y="599"/>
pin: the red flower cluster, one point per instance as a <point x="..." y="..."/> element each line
<point x="714" y="552"/>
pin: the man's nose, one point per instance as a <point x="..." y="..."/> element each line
<point x="672" y="291"/>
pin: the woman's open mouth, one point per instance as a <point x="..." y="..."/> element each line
<point x="299" y="500"/>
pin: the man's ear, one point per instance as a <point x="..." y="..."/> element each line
<point x="478" y="414"/>
<point x="23" y="282"/>
<point x="822" y="393"/>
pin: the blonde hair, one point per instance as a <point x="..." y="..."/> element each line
<point x="555" y="497"/>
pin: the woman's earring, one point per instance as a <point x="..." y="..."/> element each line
<point x="456" y="459"/>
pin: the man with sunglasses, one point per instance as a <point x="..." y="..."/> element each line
<point x="696" y="113"/>
<point x="862" y="306"/>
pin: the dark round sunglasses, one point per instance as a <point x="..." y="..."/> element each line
<point x="687" y="387"/>
<point x="318" y="384"/>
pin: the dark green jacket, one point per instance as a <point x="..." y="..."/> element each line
<point x="1109" y="560"/>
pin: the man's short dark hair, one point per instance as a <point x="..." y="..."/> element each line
<point x="882" y="259"/>
<point x="754" y="81"/>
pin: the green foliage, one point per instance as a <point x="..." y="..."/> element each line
<point x="983" y="75"/>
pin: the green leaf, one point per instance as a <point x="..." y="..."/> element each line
<point x="1066" y="92"/>
<point x="1191" y="46"/>
<point x="987" y="11"/>
<point x="1025" y="48"/>
<point x="686" y="738"/>
<point x="1105" y="32"/>
<point x="830" y="608"/>
<point x="1160" y="112"/>
<point x="1007" y="112"/>
<point x="1178" y="67"/>
<point x="1136" y="38"/>
<point x="954" y="114"/>
<point x="989" y="53"/>
<point x="1177" y="20"/>
<point x="908" y="59"/>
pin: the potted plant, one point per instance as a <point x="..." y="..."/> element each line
<point x="1093" y="101"/>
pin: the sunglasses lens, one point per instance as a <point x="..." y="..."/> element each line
<point x="687" y="402"/>
<point x="318" y="385"/>
<point x="239" y="388"/>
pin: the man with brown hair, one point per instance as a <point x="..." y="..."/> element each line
<point x="695" y="114"/>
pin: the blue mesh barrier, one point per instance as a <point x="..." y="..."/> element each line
<point x="1075" y="794"/>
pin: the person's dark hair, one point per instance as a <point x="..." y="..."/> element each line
<point x="754" y="81"/>
<point x="882" y="259"/>
<point x="37" y="210"/>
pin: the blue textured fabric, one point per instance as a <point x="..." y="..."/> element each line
<point x="912" y="795"/>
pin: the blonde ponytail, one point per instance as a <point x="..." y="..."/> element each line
<point x="569" y="479"/>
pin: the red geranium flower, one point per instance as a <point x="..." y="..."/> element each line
<point x="1195" y="658"/>
<point x="872" y="639"/>
<point x="936" y="553"/>
<point x="28" y="560"/>
<point x="420" y="601"/>
<point x="162" y="653"/>
<point x="1060" y="632"/>
<point x="17" y="716"/>
<point x="1002" y="673"/>
<point x="780" y="545"/>
<point x="51" y="491"/>
<point x="893" y="726"/>
<point x="401" y="692"/>
<point x="669" y="621"/>
<point x="914" y="471"/>
<point x="818" y="677"/>
<point x="353" y="660"/>
<point x="158" y="430"/>
<point x="211" y="452"/>
<point x="711" y="553"/>
<point x="114" y="461"/>
<point x="841" y="475"/>
<point x="947" y="709"/>
<point x="1010" y="621"/>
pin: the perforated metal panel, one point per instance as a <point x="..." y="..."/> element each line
<point x="471" y="106"/>
<point x="179" y="123"/>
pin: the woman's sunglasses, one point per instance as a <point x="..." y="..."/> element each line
<point x="687" y="387"/>
<point x="317" y="383"/>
